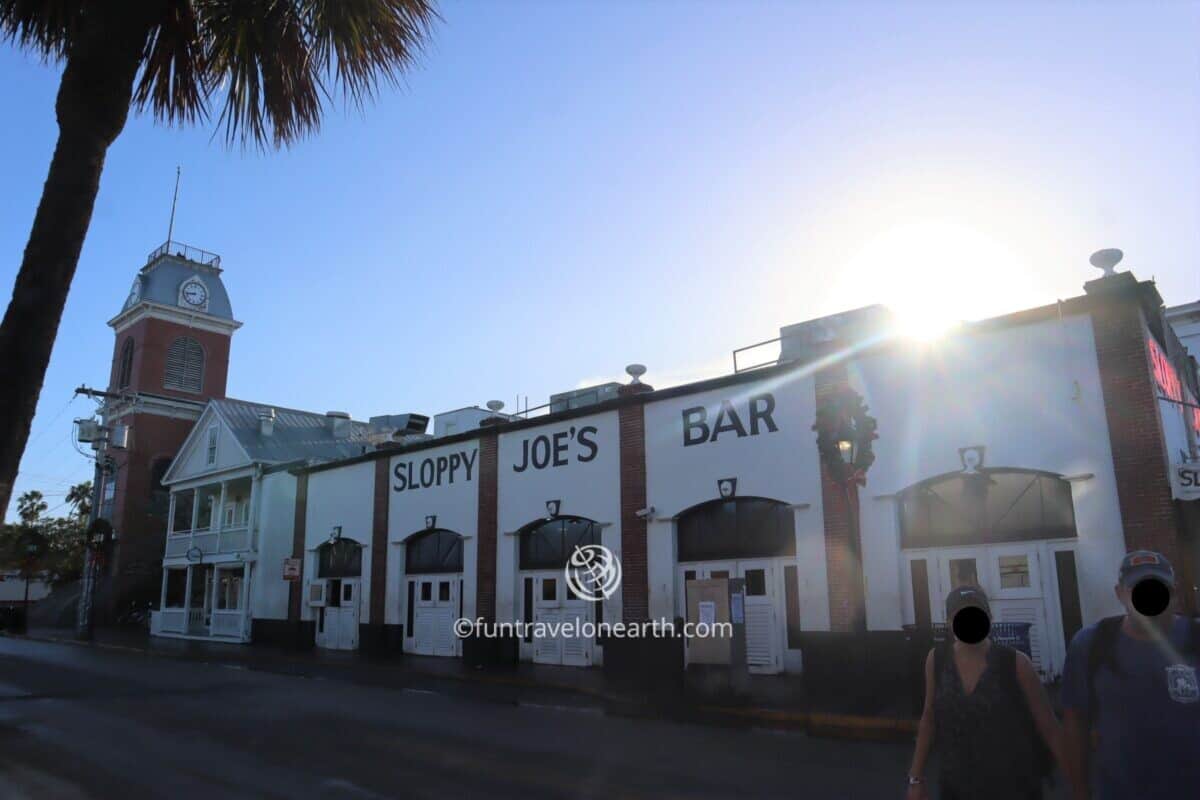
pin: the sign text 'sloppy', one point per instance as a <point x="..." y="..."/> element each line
<point x="433" y="471"/>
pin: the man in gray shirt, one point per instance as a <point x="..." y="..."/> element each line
<point x="1130" y="694"/>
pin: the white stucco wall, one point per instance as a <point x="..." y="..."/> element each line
<point x="343" y="496"/>
<point x="275" y="496"/>
<point x="1031" y="395"/>
<point x="580" y="465"/>
<point x="442" y="481"/>
<point x="780" y="465"/>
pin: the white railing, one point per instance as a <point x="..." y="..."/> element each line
<point x="207" y="541"/>
<point x="227" y="623"/>
<point x="168" y="620"/>
<point x="233" y="539"/>
<point x="178" y="544"/>
<point x="195" y="621"/>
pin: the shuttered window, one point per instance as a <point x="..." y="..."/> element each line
<point x="126" y="369"/>
<point x="185" y="365"/>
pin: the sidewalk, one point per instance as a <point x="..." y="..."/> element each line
<point x="774" y="702"/>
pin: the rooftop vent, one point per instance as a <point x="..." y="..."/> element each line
<point x="266" y="421"/>
<point x="396" y="427"/>
<point x="339" y="424"/>
<point x="815" y="337"/>
<point x="579" y="398"/>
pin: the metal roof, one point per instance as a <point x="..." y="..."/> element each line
<point x="297" y="435"/>
<point x="159" y="282"/>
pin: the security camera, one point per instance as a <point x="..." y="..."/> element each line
<point x="643" y="513"/>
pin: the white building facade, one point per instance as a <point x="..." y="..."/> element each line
<point x="1024" y="454"/>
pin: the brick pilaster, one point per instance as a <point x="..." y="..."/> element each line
<point x="489" y="457"/>
<point x="843" y="544"/>
<point x="379" y="546"/>
<point x="1148" y="517"/>
<point x="635" y="588"/>
<point x="296" y="588"/>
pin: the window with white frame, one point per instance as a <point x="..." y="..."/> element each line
<point x="229" y="590"/>
<point x="211" y="455"/>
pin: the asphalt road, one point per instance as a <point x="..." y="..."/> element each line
<point x="88" y="723"/>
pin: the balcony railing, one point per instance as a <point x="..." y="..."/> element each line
<point x="184" y="251"/>
<point x="222" y="528"/>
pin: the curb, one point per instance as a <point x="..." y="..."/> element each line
<point x="815" y="723"/>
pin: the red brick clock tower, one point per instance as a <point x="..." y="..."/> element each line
<point x="170" y="356"/>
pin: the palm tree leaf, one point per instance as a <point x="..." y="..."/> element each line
<point x="271" y="58"/>
<point x="257" y="54"/>
<point x="172" y="78"/>
<point x="43" y="26"/>
<point x="363" y="41"/>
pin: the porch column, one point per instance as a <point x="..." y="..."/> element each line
<point x="187" y="597"/>
<point x="221" y="508"/>
<point x="195" y="513"/>
<point x="244" y="599"/>
<point x="162" y="595"/>
<point x="171" y="516"/>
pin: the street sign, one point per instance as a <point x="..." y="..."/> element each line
<point x="291" y="569"/>
<point x="1186" y="485"/>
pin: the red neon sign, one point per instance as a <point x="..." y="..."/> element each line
<point x="1169" y="384"/>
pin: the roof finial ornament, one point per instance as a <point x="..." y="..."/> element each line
<point x="1106" y="260"/>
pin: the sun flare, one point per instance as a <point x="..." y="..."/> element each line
<point x="934" y="274"/>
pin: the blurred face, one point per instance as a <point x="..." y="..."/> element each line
<point x="1148" y="600"/>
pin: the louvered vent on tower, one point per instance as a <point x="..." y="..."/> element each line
<point x="185" y="365"/>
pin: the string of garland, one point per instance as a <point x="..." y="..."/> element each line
<point x="844" y="417"/>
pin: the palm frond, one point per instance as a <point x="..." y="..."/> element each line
<point x="43" y="26"/>
<point x="363" y="41"/>
<point x="272" y="59"/>
<point x="172" y="78"/>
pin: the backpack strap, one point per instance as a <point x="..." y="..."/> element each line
<point x="1102" y="653"/>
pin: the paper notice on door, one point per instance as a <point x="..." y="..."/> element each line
<point x="737" y="608"/>
<point x="707" y="611"/>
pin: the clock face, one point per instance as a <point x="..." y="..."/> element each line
<point x="194" y="294"/>
<point x="135" y="291"/>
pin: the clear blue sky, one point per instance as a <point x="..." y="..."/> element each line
<point x="564" y="188"/>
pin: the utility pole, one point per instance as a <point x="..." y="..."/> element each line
<point x="83" y="620"/>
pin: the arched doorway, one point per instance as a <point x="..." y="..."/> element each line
<point x="1010" y="531"/>
<point x="433" y="565"/>
<point x="545" y="546"/>
<point x="336" y="594"/>
<point x="749" y="538"/>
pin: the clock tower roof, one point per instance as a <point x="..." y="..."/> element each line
<point x="181" y="278"/>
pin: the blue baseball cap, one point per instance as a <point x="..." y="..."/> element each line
<point x="1142" y="564"/>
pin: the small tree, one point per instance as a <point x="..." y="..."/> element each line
<point x="31" y="506"/>
<point x="27" y="549"/>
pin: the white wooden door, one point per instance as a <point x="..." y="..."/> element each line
<point x="347" y="616"/>
<point x="1016" y="595"/>
<point x="424" y="621"/>
<point x="547" y="614"/>
<point x="562" y="617"/>
<point x="764" y="651"/>
<point x="444" y="611"/>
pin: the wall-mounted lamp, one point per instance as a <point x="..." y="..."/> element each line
<point x="335" y="534"/>
<point x="430" y="521"/>
<point x="552" y="507"/>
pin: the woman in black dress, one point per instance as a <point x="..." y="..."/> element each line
<point x="985" y="710"/>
